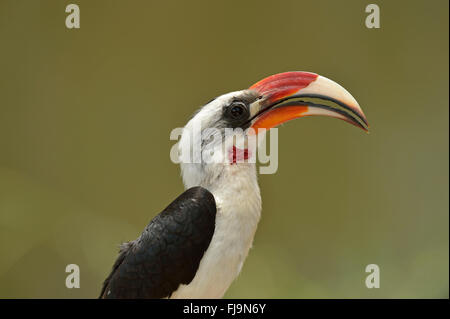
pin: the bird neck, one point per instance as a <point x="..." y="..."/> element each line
<point x="238" y="201"/>
<point x="219" y="176"/>
<point x="234" y="186"/>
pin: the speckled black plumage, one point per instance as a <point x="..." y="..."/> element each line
<point x="168" y="252"/>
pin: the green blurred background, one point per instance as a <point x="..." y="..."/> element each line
<point x="85" y="117"/>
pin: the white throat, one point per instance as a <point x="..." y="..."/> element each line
<point x="236" y="191"/>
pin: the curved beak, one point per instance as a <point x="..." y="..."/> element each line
<point x="290" y="95"/>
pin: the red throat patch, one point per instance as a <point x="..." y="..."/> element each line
<point x="237" y="154"/>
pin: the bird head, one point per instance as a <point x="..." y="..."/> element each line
<point x="266" y="104"/>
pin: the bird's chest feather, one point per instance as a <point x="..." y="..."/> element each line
<point x="238" y="212"/>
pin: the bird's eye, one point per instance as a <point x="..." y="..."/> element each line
<point x="237" y="110"/>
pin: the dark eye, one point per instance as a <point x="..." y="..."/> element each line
<point x="237" y="110"/>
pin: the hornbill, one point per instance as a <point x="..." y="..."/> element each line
<point x="196" y="247"/>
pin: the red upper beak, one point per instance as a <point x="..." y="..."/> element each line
<point x="290" y="95"/>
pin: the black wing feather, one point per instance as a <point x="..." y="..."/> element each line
<point x="168" y="252"/>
